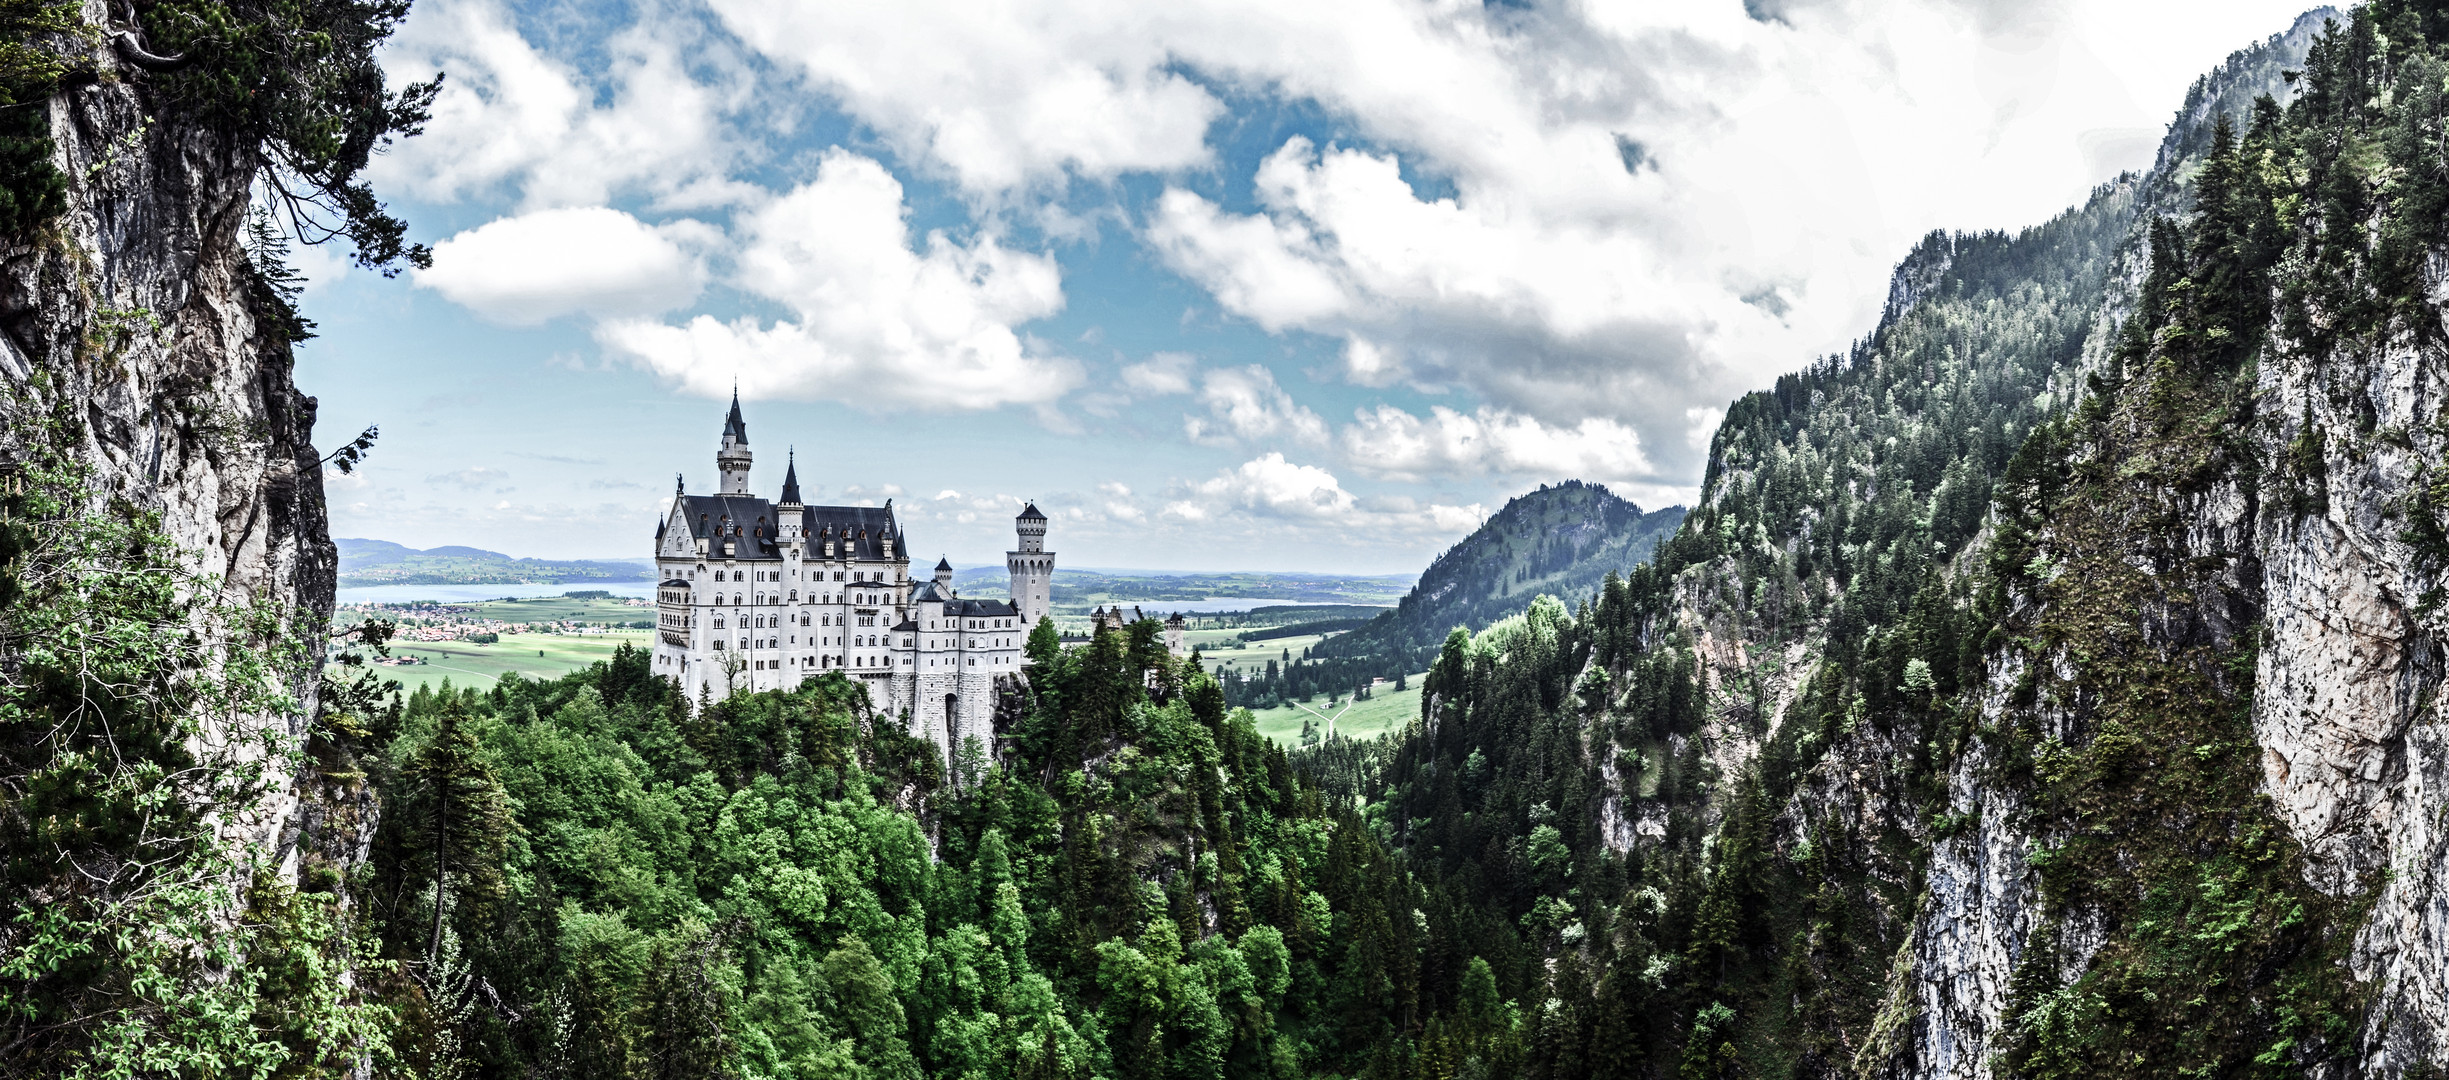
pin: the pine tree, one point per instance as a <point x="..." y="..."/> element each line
<point x="462" y="814"/>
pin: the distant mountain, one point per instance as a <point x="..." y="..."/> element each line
<point x="381" y="562"/>
<point x="1086" y="586"/>
<point x="1561" y="539"/>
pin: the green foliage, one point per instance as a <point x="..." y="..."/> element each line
<point x="1132" y="882"/>
<point x="296" y="85"/>
<point x="35" y="36"/>
<point x="142" y="713"/>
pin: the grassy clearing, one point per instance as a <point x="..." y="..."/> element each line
<point x="1388" y="710"/>
<point x="538" y="656"/>
<point x="1216" y="649"/>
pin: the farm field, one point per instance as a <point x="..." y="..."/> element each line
<point x="469" y="664"/>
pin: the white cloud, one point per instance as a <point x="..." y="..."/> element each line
<point x="1391" y="443"/>
<point x="1269" y="495"/>
<point x="1163" y="373"/>
<point x="511" y="120"/>
<point x="880" y="322"/>
<point x="526" y="269"/>
<point x="1271" y="271"/>
<point x="1246" y="405"/>
<point x="999" y="95"/>
<point x="1561" y="208"/>
<point x="1270" y="486"/>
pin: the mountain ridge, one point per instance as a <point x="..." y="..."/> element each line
<point x="1562" y="538"/>
<point x="365" y="562"/>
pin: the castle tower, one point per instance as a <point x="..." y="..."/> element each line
<point x="734" y="457"/>
<point x="1032" y="567"/>
<point x="943" y="575"/>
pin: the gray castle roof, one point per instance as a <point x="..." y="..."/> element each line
<point x="757" y="522"/>
<point x="733" y="425"/>
<point x="1029" y="513"/>
<point x="928" y="593"/>
<point x="980" y="609"/>
<point x="790" y="479"/>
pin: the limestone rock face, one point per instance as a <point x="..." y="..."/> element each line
<point x="136" y="308"/>
<point x="2355" y="751"/>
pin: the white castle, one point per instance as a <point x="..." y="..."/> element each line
<point x="760" y="595"/>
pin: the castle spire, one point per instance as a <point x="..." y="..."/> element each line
<point x="733" y="459"/>
<point x="735" y="429"/>
<point x="790" y="479"/>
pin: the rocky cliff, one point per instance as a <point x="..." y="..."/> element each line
<point x="2066" y="652"/>
<point x="136" y="313"/>
<point x="181" y="803"/>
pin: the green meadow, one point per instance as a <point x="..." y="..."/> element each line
<point x="1386" y="710"/>
<point x="534" y="656"/>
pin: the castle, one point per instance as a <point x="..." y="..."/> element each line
<point x="761" y="595"/>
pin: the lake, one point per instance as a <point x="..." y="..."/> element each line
<point x="464" y="594"/>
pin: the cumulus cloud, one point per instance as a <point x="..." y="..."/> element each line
<point x="513" y="121"/>
<point x="527" y="269"/>
<point x="1245" y="405"/>
<point x="1571" y="211"/>
<point x="1391" y="443"/>
<point x="881" y="320"/>
<point x="1270" y="486"/>
<point x="1000" y="95"/>
<point x="1163" y="373"/>
<point x="1269" y="494"/>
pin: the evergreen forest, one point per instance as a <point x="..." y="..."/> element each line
<point x="1690" y="795"/>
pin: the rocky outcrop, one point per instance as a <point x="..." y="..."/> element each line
<point x="2346" y="709"/>
<point x="137" y="311"/>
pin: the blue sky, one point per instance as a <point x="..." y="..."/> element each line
<point x="1220" y="285"/>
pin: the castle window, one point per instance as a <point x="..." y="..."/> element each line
<point x="795" y="596"/>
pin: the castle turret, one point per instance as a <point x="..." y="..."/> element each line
<point x="790" y="508"/>
<point x="1032" y="567"/>
<point x="943" y="575"/>
<point x="734" y="457"/>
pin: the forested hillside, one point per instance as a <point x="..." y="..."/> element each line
<point x="594" y="877"/>
<point x="1560" y="540"/>
<point x="2033" y="692"/>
